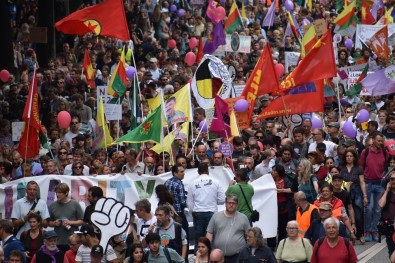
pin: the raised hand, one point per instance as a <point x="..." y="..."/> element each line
<point x="111" y="217"/>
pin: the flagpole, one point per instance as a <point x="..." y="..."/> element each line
<point x="30" y="110"/>
<point x="200" y="131"/>
<point x="138" y="86"/>
<point x="338" y="100"/>
<point x="191" y="121"/>
<point x="105" y="123"/>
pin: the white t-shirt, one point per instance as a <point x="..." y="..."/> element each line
<point x="330" y="148"/>
<point x="142" y="226"/>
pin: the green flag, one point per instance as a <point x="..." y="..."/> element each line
<point x="148" y="130"/>
<point x="357" y="88"/>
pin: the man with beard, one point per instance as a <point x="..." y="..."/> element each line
<point x="94" y="194"/>
<point x="49" y="252"/>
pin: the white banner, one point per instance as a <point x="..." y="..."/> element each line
<point x="128" y="188"/>
<point x="365" y="32"/>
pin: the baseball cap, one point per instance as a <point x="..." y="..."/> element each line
<point x="50" y="234"/>
<point x="349" y="143"/>
<point x="86" y="229"/>
<point x="97" y="250"/>
<point x="153" y="60"/>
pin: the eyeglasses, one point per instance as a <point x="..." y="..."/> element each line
<point x="349" y="112"/>
<point x="323" y="210"/>
<point x="292" y="228"/>
<point x="62" y="153"/>
<point x="314" y="134"/>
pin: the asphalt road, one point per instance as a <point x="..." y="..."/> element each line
<point x="372" y="252"/>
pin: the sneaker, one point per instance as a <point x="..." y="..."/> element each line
<point x="376" y="237"/>
<point x="368" y="237"/>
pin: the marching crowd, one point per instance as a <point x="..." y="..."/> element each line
<point x="332" y="190"/>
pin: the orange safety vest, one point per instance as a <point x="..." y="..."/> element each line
<point x="337" y="206"/>
<point x="304" y="219"/>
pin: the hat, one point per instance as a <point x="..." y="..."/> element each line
<point x="334" y="124"/>
<point x="165" y="10"/>
<point x="325" y="206"/>
<point x="50" y="234"/>
<point x="86" y="229"/>
<point x="97" y="250"/>
<point x="153" y="60"/>
<point x="349" y="143"/>
<point x="264" y="97"/>
<point x="148" y="73"/>
<point x="337" y="176"/>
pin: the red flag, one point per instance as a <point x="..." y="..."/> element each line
<point x="379" y="43"/>
<point x="295" y="101"/>
<point x="367" y="17"/>
<point x="200" y="54"/>
<point x="88" y="70"/>
<point x="318" y="64"/>
<point x="221" y="122"/>
<point x="262" y="80"/>
<point x="29" y="144"/>
<point x="105" y="19"/>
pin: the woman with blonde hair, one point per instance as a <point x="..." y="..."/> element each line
<point x="308" y="182"/>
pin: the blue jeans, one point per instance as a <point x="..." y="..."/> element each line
<point x="373" y="210"/>
<point x="200" y="223"/>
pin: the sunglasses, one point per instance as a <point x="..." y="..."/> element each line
<point x="62" y="153"/>
<point x="78" y="167"/>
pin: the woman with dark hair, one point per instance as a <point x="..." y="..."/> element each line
<point x="319" y="169"/>
<point x="166" y="198"/>
<point x="135" y="254"/>
<point x="33" y="238"/>
<point x="342" y="58"/>
<point x="203" y="251"/>
<point x="352" y="174"/>
<point x="77" y="168"/>
<point x="159" y="169"/>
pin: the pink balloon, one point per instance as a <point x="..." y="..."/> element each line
<point x="390" y="145"/>
<point x="193" y="42"/>
<point x="190" y="58"/>
<point x="279" y="68"/>
<point x="4" y="75"/>
<point x="220" y="13"/>
<point x="171" y="43"/>
<point x="64" y="119"/>
<point x="241" y="105"/>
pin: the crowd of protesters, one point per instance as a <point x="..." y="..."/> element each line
<point x="327" y="183"/>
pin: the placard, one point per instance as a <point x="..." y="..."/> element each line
<point x="17" y="127"/>
<point x="112" y="111"/>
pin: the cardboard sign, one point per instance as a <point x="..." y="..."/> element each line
<point x="319" y="25"/>
<point x="241" y="117"/>
<point x="112" y="111"/>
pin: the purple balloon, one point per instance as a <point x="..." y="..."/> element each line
<point x="348" y="43"/>
<point x="241" y="105"/>
<point x="306" y="21"/>
<point x="173" y="8"/>
<point x="316" y="123"/>
<point x="222" y="1"/>
<point x="350" y="129"/>
<point x="203" y="126"/>
<point x="363" y="116"/>
<point x="181" y="12"/>
<point x="289" y="5"/>
<point x="130" y="72"/>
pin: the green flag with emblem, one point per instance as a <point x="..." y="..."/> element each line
<point x="148" y="130"/>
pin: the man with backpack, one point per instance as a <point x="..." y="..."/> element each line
<point x="159" y="254"/>
<point x="333" y="248"/>
<point x="373" y="160"/>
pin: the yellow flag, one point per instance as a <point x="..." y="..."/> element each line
<point x="180" y="133"/>
<point x="154" y="102"/>
<point x="233" y="124"/>
<point x="103" y="137"/>
<point x="243" y="11"/>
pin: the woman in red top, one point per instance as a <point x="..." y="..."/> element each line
<point x="33" y="238"/>
<point x="319" y="169"/>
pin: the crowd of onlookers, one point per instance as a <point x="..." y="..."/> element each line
<point x="327" y="183"/>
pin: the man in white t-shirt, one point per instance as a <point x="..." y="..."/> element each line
<point x="318" y="137"/>
<point x="145" y="217"/>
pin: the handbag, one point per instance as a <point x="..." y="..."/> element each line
<point x="254" y="213"/>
